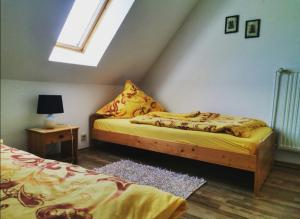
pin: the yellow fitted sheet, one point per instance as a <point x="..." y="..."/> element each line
<point x="205" y="139"/>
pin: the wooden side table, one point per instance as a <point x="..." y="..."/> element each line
<point x="39" y="138"/>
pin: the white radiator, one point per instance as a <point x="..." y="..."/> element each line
<point x="286" y="110"/>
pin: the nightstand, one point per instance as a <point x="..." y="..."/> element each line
<point x="39" y="138"/>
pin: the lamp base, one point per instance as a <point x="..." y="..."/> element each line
<point x="49" y="122"/>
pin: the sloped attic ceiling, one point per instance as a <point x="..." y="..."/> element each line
<point x="29" y="30"/>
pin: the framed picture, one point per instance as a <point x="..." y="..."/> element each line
<point x="232" y="24"/>
<point x="252" y="28"/>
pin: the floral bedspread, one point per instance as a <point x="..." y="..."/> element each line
<point x="198" y="121"/>
<point x="33" y="187"/>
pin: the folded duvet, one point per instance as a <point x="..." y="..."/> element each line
<point x="33" y="187"/>
<point x="208" y="122"/>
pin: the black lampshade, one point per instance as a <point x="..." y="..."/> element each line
<point x="50" y="104"/>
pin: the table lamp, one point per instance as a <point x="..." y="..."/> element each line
<point x="50" y="104"/>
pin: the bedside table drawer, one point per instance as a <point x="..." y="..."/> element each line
<point x="59" y="136"/>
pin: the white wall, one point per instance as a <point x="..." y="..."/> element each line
<point x="30" y="28"/>
<point x="204" y="69"/>
<point x="19" y="102"/>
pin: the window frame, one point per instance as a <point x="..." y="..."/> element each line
<point x="88" y="33"/>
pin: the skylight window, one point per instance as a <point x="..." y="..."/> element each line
<point x="80" y="23"/>
<point x="88" y="31"/>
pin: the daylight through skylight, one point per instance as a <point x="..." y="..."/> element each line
<point x="88" y="31"/>
<point x="80" y="23"/>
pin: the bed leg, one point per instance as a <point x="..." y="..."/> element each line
<point x="264" y="163"/>
<point x="257" y="183"/>
<point x="91" y="143"/>
<point x="261" y="175"/>
<point x="92" y="119"/>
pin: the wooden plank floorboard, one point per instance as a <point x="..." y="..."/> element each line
<point x="227" y="193"/>
<point x="206" y="212"/>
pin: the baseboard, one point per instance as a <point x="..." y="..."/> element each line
<point x="287" y="157"/>
<point x="289" y="165"/>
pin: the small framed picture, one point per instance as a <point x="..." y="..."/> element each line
<point x="232" y="24"/>
<point x="252" y="28"/>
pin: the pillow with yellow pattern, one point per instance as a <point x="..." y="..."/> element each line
<point x="130" y="103"/>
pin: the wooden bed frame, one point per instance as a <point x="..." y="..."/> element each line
<point x="260" y="163"/>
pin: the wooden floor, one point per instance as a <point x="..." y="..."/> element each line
<point x="227" y="193"/>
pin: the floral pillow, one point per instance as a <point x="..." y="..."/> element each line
<point x="130" y="103"/>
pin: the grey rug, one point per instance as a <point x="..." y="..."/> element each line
<point x="178" y="184"/>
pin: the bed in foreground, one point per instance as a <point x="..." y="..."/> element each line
<point x="33" y="187"/>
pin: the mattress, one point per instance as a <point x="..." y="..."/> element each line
<point x="204" y="139"/>
<point x="33" y="187"/>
